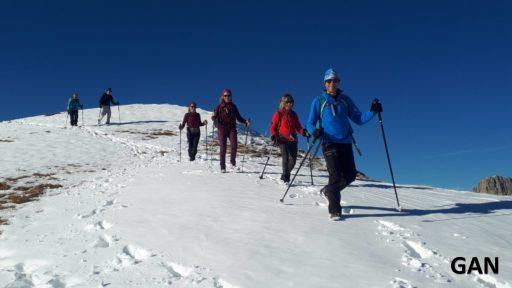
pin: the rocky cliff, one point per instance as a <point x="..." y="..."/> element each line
<point x="498" y="185"/>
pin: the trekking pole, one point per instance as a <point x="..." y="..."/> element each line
<point x="67" y="116"/>
<point x="119" y="113"/>
<point x="310" y="165"/>
<point x="355" y="145"/>
<point x="314" y="154"/>
<point x="266" y="162"/>
<point x="180" y="145"/>
<point x="213" y="148"/>
<point x="82" y="116"/>
<point x="206" y="140"/>
<point x="298" y="169"/>
<point x="245" y="145"/>
<point x="399" y="208"/>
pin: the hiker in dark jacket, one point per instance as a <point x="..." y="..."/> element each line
<point x="193" y="121"/>
<point x="329" y="120"/>
<point x="225" y="116"/>
<point x="283" y="131"/>
<point x="73" y="105"/>
<point x="105" y="101"/>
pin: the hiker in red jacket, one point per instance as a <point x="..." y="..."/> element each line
<point x="283" y="131"/>
<point x="224" y="118"/>
<point x="193" y="121"/>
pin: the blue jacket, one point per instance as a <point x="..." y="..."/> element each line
<point x="335" y="117"/>
<point x="74" y="104"/>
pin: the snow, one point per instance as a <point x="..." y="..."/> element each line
<point x="131" y="214"/>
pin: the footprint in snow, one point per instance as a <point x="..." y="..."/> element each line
<point x="92" y="213"/>
<point x="188" y="276"/>
<point x="488" y="281"/>
<point x="33" y="273"/>
<point x="401" y="283"/>
<point x="104" y="241"/>
<point x="417" y="256"/>
<point x="418" y="250"/>
<point x="110" y="202"/>
<point x="130" y="255"/>
<point x="101" y="225"/>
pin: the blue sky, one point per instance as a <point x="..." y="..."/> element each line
<point x="442" y="69"/>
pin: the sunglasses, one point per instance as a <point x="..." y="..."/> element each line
<point x="332" y="80"/>
<point x="192" y="106"/>
<point x="226" y="95"/>
<point x="288" y="102"/>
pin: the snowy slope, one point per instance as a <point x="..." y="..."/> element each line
<point x="129" y="214"/>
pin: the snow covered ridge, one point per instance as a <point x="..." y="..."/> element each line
<point x="118" y="209"/>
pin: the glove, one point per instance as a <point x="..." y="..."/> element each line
<point x="181" y="127"/>
<point x="274" y="139"/>
<point x="247" y="123"/>
<point x="305" y="133"/>
<point x="205" y="122"/>
<point x="376" y="106"/>
<point x="318" y="132"/>
<point x="69" y="111"/>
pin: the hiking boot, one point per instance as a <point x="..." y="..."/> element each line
<point x="222" y="170"/>
<point x="335" y="217"/>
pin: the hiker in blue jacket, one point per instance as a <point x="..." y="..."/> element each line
<point x="329" y="120"/>
<point x="73" y="105"/>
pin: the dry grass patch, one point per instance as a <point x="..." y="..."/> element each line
<point x="164" y="133"/>
<point x="74" y="165"/>
<point x="4" y="186"/>
<point x="16" y="179"/>
<point x="6" y="140"/>
<point x="43" y="175"/>
<point x="30" y="193"/>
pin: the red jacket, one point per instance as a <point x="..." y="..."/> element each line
<point x="286" y="125"/>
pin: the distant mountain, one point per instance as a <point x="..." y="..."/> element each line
<point x="497" y="185"/>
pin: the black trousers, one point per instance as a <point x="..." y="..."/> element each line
<point x="288" y="157"/>
<point x="193" y="141"/>
<point x="73" y="115"/>
<point x="339" y="158"/>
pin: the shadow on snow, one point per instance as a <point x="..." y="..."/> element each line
<point x="475" y="209"/>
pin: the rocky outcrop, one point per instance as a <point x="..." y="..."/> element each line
<point x="497" y="185"/>
<point x="361" y="176"/>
